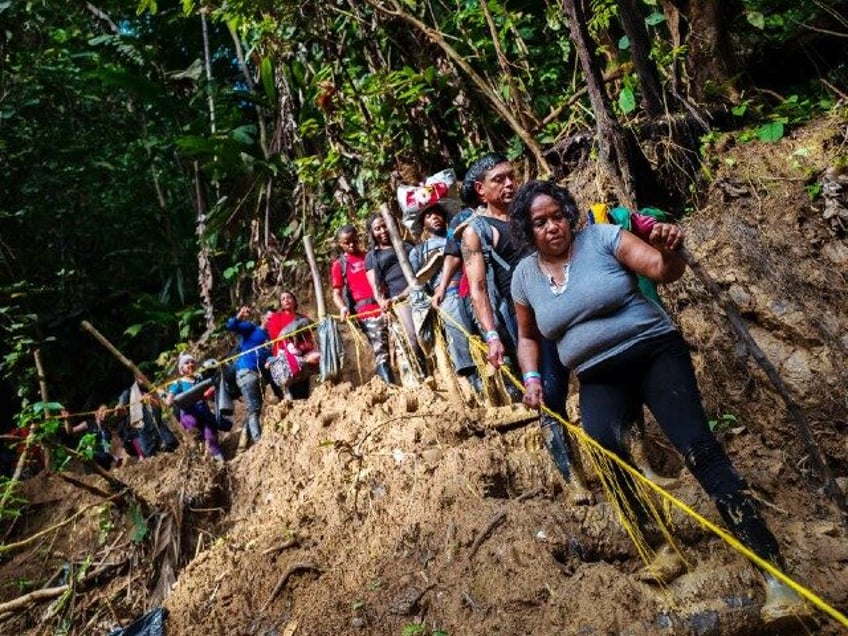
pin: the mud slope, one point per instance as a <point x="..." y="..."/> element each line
<point x="370" y="510"/>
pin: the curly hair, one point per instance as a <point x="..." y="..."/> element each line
<point x="519" y="209"/>
<point x="477" y="172"/>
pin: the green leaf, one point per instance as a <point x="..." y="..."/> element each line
<point x="627" y="100"/>
<point x="624" y="43"/>
<point x="770" y="132"/>
<point x="654" y="19"/>
<point x="266" y="71"/>
<point x="133" y="330"/>
<point x="756" y="19"/>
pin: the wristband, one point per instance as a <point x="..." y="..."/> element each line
<point x="491" y="335"/>
<point x="532" y="376"/>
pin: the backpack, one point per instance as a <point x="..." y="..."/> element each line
<point x="499" y="295"/>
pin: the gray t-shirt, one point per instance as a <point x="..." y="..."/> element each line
<point x="601" y="312"/>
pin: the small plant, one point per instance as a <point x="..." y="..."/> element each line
<point x="140" y="527"/>
<point x="418" y="629"/>
<point x="723" y="422"/>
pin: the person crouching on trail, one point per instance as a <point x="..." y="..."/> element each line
<point x="352" y="296"/>
<point x="196" y="418"/>
<point x="253" y="351"/>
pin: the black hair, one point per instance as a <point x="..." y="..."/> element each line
<point x="368" y="225"/>
<point x="477" y="172"/>
<point x="346" y="229"/>
<point x="519" y="209"/>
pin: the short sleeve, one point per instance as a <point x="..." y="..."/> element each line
<point x="336" y="279"/>
<point x="518" y="285"/>
<point x="370" y="260"/>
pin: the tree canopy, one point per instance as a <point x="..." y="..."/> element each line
<point x="154" y="155"/>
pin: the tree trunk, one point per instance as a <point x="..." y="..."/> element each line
<point x="640" y="49"/>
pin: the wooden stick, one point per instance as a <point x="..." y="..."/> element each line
<point x="320" y="302"/>
<point x="497" y="520"/>
<point x="397" y="244"/>
<point x="9" y="547"/>
<point x="138" y="373"/>
<point x="285" y="577"/>
<point x="129" y="364"/>
<point x="31" y="597"/>
<point x="803" y="428"/>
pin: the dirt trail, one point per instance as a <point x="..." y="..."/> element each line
<point x="369" y="510"/>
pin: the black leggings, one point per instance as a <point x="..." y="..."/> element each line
<point x="659" y="373"/>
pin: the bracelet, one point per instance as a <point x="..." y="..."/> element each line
<point x="491" y="335"/>
<point x="532" y="376"/>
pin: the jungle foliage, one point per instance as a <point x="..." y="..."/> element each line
<point x="155" y="154"/>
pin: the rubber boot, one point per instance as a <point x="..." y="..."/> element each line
<point x="385" y="373"/>
<point x="782" y="605"/>
<point x="553" y="436"/>
<point x="244" y="440"/>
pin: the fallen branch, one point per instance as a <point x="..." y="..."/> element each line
<point x="297" y="567"/>
<point x="94" y="490"/>
<point x="53" y="592"/>
<point x="10" y="547"/>
<point x="285" y="545"/>
<point x="32" y="597"/>
<point x="802" y="426"/>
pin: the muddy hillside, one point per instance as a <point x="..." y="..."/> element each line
<point x="383" y="510"/>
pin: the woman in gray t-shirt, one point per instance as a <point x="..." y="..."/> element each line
<point x="580" y="289"/>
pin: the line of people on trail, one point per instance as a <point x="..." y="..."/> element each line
<point x="548" y="297"/>
<point x="551" y="298"/>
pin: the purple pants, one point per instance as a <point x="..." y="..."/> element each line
<point x="191" y="422"/>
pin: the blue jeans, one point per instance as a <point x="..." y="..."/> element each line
<point x="251" y="388"/>
<point x="458" y="309"/>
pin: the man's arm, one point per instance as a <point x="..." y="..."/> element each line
<point x="475" y="271"/>
<point x="449" y="266"/>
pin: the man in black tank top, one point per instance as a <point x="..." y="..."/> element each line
<point x="490" y="253"/>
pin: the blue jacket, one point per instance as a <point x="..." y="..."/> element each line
<point x="251" y="336"/>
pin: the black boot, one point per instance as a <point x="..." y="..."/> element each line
<point x="385" y="373"/>
<point x="555" y="441"/>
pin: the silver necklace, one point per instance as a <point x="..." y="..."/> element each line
<point x="557" y="288"/>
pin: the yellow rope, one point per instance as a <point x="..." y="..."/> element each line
<point x="602" y="459"/>
<point x="600" y="455"/>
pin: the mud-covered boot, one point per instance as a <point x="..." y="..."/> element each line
<point x="666" y="566"/>
<point x="385" y="373"/>
<point x="244" y="440"/>
<point x="783" y="606"/>
<point x="566" y="462"/>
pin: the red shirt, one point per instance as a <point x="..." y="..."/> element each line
<point x="357" y="281"/>
<point x="278" y="321"/>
